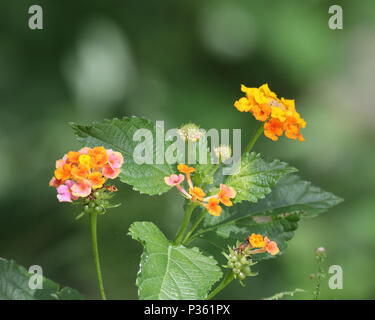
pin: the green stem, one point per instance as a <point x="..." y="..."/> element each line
<point x="185" y="222"/>
<point x="226" y="280"/>
<point x="93" y="225"/>
<point x="320" y="276"/>
<point x="255" y="137"/>
<point x="193" y="227"/>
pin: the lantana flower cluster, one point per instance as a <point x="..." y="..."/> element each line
<point x="196" y="194"/>
<point x="80" y="173"/>
<point x="278" y="115"/>
<point x="262" y="244"/>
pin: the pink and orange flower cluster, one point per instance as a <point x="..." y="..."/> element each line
<point x="196" y="194"/>
<point x="79" y="173"/>
<point x="278" y="115"/>
<point x="263" y="244"/>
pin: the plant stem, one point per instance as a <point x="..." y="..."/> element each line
<point x="320" y="276"/>
<point x="198" y="221"/>
<point x="193" y="227"/>
<point x="255" y="137"/>
<point x="185" y="222"/>
<point x="226" y="280"/>
<point x="93" y="225"/>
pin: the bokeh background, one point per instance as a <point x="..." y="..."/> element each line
<point x="182" y="61"/>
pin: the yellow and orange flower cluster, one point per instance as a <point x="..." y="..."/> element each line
<point x="264" y="244"/>
<point x="278" y="115"/>
<point x="77" y="174"/>
<point x="196" y="194"/>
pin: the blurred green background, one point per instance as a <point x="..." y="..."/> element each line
<point x="182" y="61"/>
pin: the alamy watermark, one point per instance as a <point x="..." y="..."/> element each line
<point x="189" y="145"/>
<point x="36" y="280"/>
<point x="336" y="20"/>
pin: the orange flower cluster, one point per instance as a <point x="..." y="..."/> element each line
<point x="78" y="173"/>
<point x="257" y="241"/>
<point x="196" y="194"/>
<point x="279" y="115"/>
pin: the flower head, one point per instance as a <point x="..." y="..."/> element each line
<point x="264" y="244"/>
<point x="78" y="174"/>
<point x="190" y="132"/>
<point x="278" y="115"/>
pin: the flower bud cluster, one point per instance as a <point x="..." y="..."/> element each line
<point x="240" y="262"/>
<point x="98" y="202"/>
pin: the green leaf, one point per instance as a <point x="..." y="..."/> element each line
<point x="168" y="271"/>
<point x="14" y="285"/>
<point x="117" y="134"/>
<point x="275" y="216"/>
<point x="256" y="177"/>
<point x="292" y="194"/>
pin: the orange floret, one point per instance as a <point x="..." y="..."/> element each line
<point x="256" y="241"/>
<point x="96" y="180"/>
<point x="185" y="169"/>
<point x="73" y="156"/>
<point x="63" y="173"/>
<point x="271" y="247"/>
<point x="225" y="194"/>
<point x="99" y="157"/>
<point x="80" y="172"/>
<point x="243" y="104"/>
<point x="273" y="129"/>
<point x="213" y="206"/>
<point x="196" y="193"/>
<point x="261" y="112"/>
<point x="292" y="129"/>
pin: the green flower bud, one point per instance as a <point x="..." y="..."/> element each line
<point x="241" y="276"/>
<point x="247" y="271"/>
<point x="244" y="260"/>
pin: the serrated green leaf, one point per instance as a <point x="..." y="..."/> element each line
<point x="256" y="177"/>
<point x="292" y="194"/>
<point x="14" y="285"/>
<point x="171" y="272"/>
<point x="275" y="216"/>
<point x="117" y="134"/>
